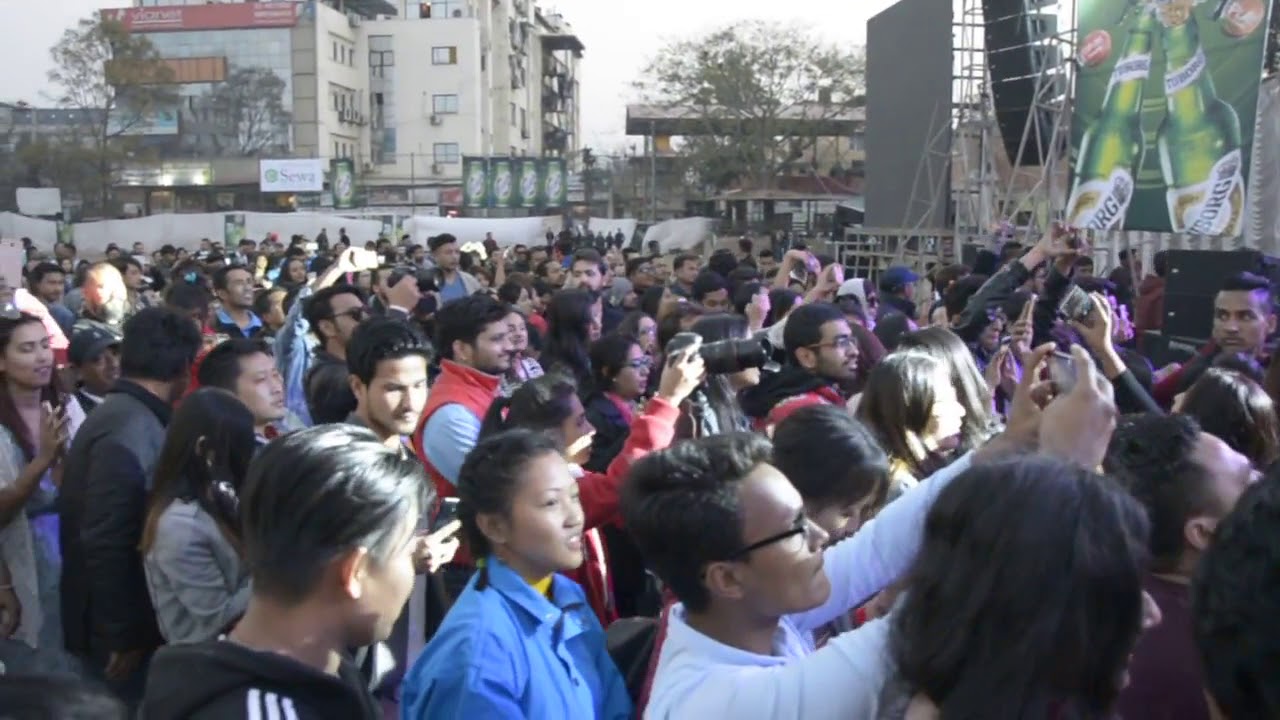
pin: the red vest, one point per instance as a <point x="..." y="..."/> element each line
<point x="457" y="385"/>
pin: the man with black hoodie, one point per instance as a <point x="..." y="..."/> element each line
<point x="821" y="353"/>
<point x="327" y="518"/>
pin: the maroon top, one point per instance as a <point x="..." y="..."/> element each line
<point x="1165" y="679"/>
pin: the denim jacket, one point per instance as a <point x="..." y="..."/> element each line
<point x="508" y="652"/>
<point x="293" y="355"/>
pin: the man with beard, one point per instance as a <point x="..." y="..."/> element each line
<point x="473" y="339"/>
<point x="453" y="283"/>
<point x="821" y="354"/>
<point x="106" y="299"/>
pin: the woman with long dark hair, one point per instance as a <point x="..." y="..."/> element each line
<point x="574" y="321"/>
<point x="1041" y="563"/>
<point x="523" y="368"/>
<point x="190" y="543"/>
<point x="912" y="407"/>
<point x="979" y="425"/>
<point x="713" y="407"/>
<point x="1231" y="406"/>
<point x="620" y="376"/>
<point x="37" y="422"/>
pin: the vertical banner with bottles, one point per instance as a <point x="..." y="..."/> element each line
<point x="528" y="182"/>
<point x="502" y="183"/>
<point x="342" y="183"/>
<point x="555" y="186"/>
<point x="1165" y="102"/>
<point x="475" y="182"/>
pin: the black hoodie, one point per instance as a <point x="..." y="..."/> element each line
<point x="219" y="680"/>
<point x="788" y="382"/>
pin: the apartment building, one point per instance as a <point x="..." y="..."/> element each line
<point x="404" y="90"/>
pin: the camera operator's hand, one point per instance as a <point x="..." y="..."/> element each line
<point x="758" y="310"/>
<point x="681" y="375"/>
<point x="358" y="260"/>
<point x="1097" y="333"/>
<point x="1077" y="426"/>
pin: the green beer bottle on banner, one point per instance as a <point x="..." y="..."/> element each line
<point x="1199" y="140"/>
<point x="1112" y="149"/>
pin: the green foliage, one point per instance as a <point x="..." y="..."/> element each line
<point x="742" y="83"/>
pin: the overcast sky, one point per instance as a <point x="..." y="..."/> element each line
<point x="620" y="35"/>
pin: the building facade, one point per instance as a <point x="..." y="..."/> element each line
<point x="404" y="90"/>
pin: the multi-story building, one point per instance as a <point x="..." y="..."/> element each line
<point x="402" y="89"/>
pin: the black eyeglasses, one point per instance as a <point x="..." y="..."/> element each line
<point x="356" y="314"/>
<point x="798" y="529"/>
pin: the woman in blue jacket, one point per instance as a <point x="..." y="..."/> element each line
<point x="521" y="641"/>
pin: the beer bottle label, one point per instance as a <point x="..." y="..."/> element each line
<point x="1101" y="204"/>
<point x="1185" y="76"/>
<point x="1213" y="207"/>
<point x="1137" y="67"/>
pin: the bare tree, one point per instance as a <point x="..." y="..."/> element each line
<point x="252" y="119"/>
<point x="750" y="87"/>
<point x="118" y="83"/>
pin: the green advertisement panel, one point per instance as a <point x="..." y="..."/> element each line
<point x="528" y="182"/>
<point x="232" y="229"/>
<point x="1165" y="101"/>
<point x="342" y="182"/>
<point x="475" y="182"/>
<point x="502" y="183"/>
<point x="555" y="184"/>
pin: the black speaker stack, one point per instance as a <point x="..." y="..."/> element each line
<point x="1019" y="56"/>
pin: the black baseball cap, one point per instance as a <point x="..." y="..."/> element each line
<point x="89" y="342"/>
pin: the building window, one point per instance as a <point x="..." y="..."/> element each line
<point x="446" y="153"/>
<point x="444" y="55"/>
<point x="379" y="60"/>
<point x="335" y="51"/>
<point x="444" y="104"/>
<point x="514" y="116"/>
<point x="442" y="9"/>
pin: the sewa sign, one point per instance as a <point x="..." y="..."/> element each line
<point x="304" y="175"/>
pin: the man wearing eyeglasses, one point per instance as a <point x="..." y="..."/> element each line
<point x="333" y="314"/>
<point x="821" y="354"/>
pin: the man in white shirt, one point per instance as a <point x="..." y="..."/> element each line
<point x="727" y="533"/>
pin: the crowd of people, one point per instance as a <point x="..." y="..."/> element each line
<point x="580" y="480"/>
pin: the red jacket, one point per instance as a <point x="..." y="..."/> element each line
<point x="826" y="395"/>
<point x="457" y="385"/>
<point x="653" y="430"/>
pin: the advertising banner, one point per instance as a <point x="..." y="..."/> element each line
<point x="475" y="182"/>
<point x="555" y="187"/>
<point x="342" y="181"/>
<point x="210" y="16"/>
<point x="232" y="229"/>
<point x="291" y="176"/>
<point x="502" y="183"/>
<point x="527" y="183"/>
<point x="1165" y="102"/>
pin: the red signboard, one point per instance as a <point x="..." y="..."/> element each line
<point x="220" y="16"/>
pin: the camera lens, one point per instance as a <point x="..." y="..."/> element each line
<point x="731" y="356"/>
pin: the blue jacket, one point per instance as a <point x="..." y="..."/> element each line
<point x="508" y="652"/>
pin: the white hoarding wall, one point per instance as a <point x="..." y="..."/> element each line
<point x="39" y="201"/>
<point x="680" y="234"/>
<point x="507" y="231"/>
<point x="44" y="233"/>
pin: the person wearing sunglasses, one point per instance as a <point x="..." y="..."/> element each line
<point x="333" y="314"/>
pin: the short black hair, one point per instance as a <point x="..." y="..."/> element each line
<point x="1160" y="263"/>
<point x="1248" y="282"/>
<point x="378" y="339"/>
<point x="1152" y="455"/>
<point x="509" y="292"/>
<point x="159" y="344"/>
<point x="316" y="493"/>
<point x="682" y="508"/>
<point x="439" y="241"/>
<point x="683" y="258"/>
<point x="804" y="326"/>
<point x="317" y="307"/>
<point x="588" y="255"/>
<point x="220" y="275"/>
<point x="706" y="283"/>
<point x="262" y="301"/>
<point x="1096" y="284"/>
<point x="37" y="273"/>
<point x="464" y="320"/>
<point x="187" y="296"/>
<point x="1235" y="606"/>
<point x="220" y="368"/>
<point x="53" y="697"/>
